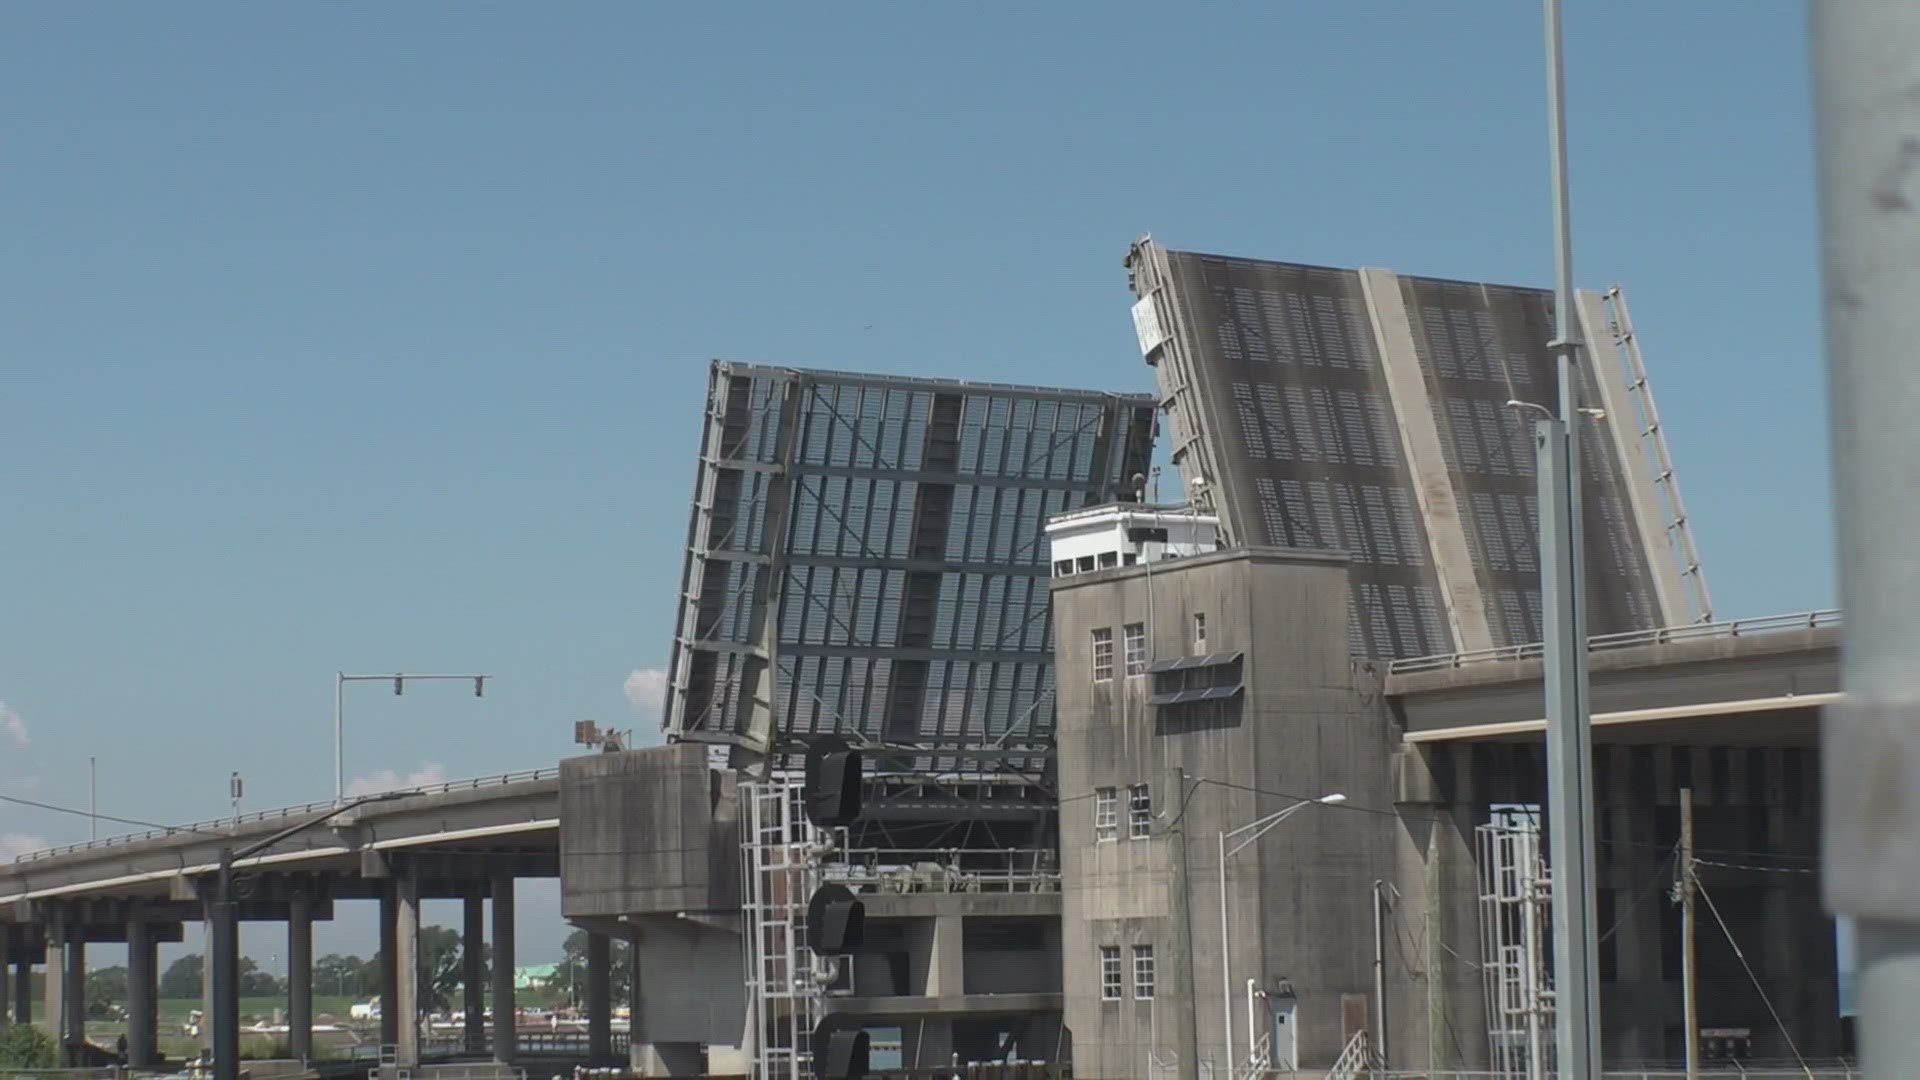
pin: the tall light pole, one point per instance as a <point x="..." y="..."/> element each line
<point x="1867" y="138"/>
<point x="1256" y="829"/>
<point x="399" y="681"/>
<point x="1563" y="593"/>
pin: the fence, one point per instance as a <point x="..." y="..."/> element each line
<point x="277" y="813"/>
<point x="1715" y="1071"/>
<point x="1732" y="628"/>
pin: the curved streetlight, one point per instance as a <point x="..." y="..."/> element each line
<point x="1253" y="830"/>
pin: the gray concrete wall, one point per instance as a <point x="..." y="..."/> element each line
<point x="1309" y="723"/>
<point x="651" y="831"/>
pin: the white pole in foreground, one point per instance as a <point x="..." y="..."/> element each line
<point x="1866" y="60"/>
<point x="1563" y="596"/>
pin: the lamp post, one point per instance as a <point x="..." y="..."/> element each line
<point x="1564" y="640"/>
<point x="1256" y="829"/>
<point x="224" y="972"/>
<point x="399" y="681"/>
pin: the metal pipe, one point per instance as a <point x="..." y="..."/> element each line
<point x="1563" y="588"/>
<point x="1380" y="974"/>
<point x="1867" y="132"/>
<point x="1226" y="962"/>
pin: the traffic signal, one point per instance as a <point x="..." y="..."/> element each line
<point x="832" y="783"/>
<point x="839" y="1054"/>
<point x="836" y="921"/>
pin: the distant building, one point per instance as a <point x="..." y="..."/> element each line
<point x="535" y="976"/>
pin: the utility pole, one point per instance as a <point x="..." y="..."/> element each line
<point x="1688" y="991"/>
<point x="1563" y="596"/>
<point x="93" y="799"/>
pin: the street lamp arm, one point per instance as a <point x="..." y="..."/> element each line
<point x="1259" y="827"/>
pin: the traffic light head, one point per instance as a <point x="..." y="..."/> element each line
<point x="836" y="921"/>
<point x="833" y="783"/>
<point x="839" y="1055"/>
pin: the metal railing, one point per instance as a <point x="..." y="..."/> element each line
<point x="1709" y="1070"/>
<point x="1731" y="628"/>
<point x="956" y="870"/>
<point x="233" y="821"/>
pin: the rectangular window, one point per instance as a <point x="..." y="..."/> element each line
<point x="1136" y="648"/>
<point x="1106" y="813"/>
<point x="1199" y="633"/>
<point x="1143" y="972"/>
<point x="1103" y="654"/>
<point x="1110" y="976"/>
<point x="1139" y="812"/>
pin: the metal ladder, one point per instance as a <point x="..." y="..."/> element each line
<point x="1654" y="441"/>
<point x="780" y="874"/>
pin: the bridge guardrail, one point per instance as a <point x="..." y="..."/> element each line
<point x="1731" y="628"/>
<point x="494" y="780"/>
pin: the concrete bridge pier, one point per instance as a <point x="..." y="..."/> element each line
<point x="599" y="998"/>
<point x="504" y="1049"/>
<point x="143" y="992"/>
<point x="300" y="978"/>
<point x="6" y="972"/>
<point x="406" y="965"/>
<point x="389" y="971"/>
<point x="206" y="979"/>
<point x="23" y="990"/>
<point x="473" y="969"/>
<point x="73" y="998"/>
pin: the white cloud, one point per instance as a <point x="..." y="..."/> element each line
<point x="388" y="780"/>
<point x="13" y="845"/>
<point x="646" y="689"/>
<point x="14" y="728"/>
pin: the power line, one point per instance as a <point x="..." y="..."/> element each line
<point x="1757" y="869"/>
<point x="1652" y="887"/>
<point x="1742" y="955"/>
<point x="103" y="817"/>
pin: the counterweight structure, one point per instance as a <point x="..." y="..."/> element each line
<point x="1366" y="411"/>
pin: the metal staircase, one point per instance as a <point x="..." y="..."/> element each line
<point x="1353" y="1061"/>
<point x="1654" y="441"/>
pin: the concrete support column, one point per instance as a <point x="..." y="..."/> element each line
<point x="206" y="986"/>
<point x="56" y="974"/>
<point x="7" y="935"/>
<point x="406" y="957"/>
<point x="389" y="983"/>
<point x="143" y="992"/>
<point x="599" y="998"/>
<point x="73" y="1026"/>
<point x="473" y="970"/>
<point x="503" y="1020"/>
<point x="946" y="971"/>
<point x="23" y="990"/>
<point x="300" y="978"/>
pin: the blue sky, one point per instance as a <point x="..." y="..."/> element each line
<point x="374" y="337"/>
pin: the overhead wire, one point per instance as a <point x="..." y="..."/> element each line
<point x="1742" y="955"/>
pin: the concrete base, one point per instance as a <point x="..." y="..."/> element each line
<point x="680" y="1059"/>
